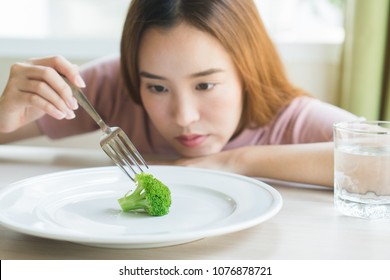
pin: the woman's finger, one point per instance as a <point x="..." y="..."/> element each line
<point x="63" y="66"/>
<point x="43" y="90"/>
<point x="53" y="79"/>
<point x="38" y="102"/>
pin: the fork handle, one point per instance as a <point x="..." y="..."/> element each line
<point x="84" y="102"/>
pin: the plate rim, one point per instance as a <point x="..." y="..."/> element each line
<point x="137" y="240"/>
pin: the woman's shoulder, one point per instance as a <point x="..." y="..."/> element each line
<point x="310" y="120"/>
<point x="103" y="77"/>
<point x="310" y="107"/>
<point x="305" y="119"/>
<point x="107" y="66"/>
<point x="106" y="90"/>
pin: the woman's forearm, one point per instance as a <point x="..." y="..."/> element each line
<point x="28" y="131"/>
<point x="305" y="163"/>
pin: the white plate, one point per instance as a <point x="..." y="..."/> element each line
<point x="81" y="206"/>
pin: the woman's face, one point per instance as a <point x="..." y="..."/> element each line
<point x="190" y="88"/>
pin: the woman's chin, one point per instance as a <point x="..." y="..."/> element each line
<point x="197" y="152"/>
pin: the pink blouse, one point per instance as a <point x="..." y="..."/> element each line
<point x="304" y="120"/>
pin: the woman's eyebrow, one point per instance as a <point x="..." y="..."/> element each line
<point x="207" y="72"/>
<point x="151" y="76"/>
<point x="195" y="75"/>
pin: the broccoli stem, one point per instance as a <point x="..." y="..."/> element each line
<point x="133" y="201"/>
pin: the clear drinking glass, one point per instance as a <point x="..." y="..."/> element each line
<point x="362" y="168"/>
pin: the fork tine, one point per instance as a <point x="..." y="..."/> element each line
<point x="130" y="146"/>
<point x="119" y="160"/>
<point x="123" y="153"/>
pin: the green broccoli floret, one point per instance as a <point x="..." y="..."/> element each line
<point x="150" y="195"/>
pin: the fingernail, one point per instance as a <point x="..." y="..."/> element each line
<point x="80" y="82"/>
<point x="70" y="115"/>
<point x="72" y="103"/>
<point x="58" y="114"/>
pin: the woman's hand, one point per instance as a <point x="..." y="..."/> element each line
<point x="35" y="88"/>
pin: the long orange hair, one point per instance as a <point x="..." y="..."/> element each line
<point x="238" y="27"/>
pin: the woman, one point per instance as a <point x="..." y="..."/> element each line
<point x="197" y="79"/>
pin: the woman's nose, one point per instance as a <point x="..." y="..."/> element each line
<point x="186" y="111"/>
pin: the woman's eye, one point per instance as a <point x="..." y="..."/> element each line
<point x="205" y="86"/>
<point x="157" y="88"/>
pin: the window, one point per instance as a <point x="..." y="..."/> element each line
<point x="316" y="21"/>
<point x="62" y="18"/>
<point x="291" y="20"/>
<point x="23" y="18"/>
<point x="82" y="29"/>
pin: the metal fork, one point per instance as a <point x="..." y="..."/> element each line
<point x="114" y="141"/>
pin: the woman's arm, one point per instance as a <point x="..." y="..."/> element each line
<point x="28" y="131"/>
<point x="305" y="163"/>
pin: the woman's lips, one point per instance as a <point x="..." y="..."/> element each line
<point x="191" y="140"/>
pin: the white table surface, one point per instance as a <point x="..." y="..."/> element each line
<point x="307" y="227"/>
